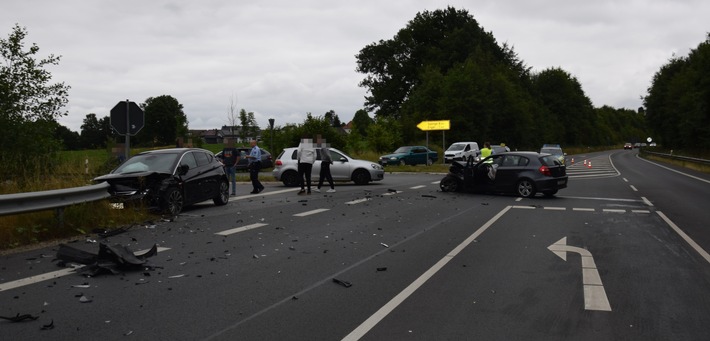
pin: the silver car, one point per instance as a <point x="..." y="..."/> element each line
<point x="344" y="168"/>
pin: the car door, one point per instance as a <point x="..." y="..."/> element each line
<point x="418" y="156"/>
<point x="340" y="169"/>
<point x="485" y="173"/>
<point x="207" y="177"/>
<point x="190" y="180"/>
<point x="508" y="172"/>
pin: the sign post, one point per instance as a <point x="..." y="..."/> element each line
<point x="435" y="125"/>
<point x="127" y="119"/>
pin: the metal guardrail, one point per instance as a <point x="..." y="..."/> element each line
<point x="55" y="199"/>
<point x="681" y="158"/>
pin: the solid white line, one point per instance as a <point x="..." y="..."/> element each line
<point x="634" y="188"/>
<point x="605" y="199"/>
<point x="673" y="170"/>
<point x="51" y="275"/>
<point x="646" y="201"/>
<point x="625" y="180"/>
<point x="311" y="212"/>
<point x="685" y="237"/>
<point x="240" y="229"/>
<point x="357" y="201"/>
<point x="252" y="196"/>
<point x="373" y="320"/>
<point x="583" y="209"/>
<point x="417" y="187"/>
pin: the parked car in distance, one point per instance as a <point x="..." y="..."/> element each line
<point x="628" y="145"/>
<point x="410" y="155"/>
<point x="462" y="151"/>
<point x="344" y="168"/>
<point x="266" y="160"/>
<point x="555" y="150"/>
<point x="520" y="173"/>
<point x="169" y="179"/>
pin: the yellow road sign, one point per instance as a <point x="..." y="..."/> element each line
<point x="434" y="125"/>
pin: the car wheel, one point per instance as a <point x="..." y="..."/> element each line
<point x="402" y="163"/>
<point x="173" y="202"/>
<point x="550" y="193"/>
<point x="222" y="197"/>
<point x="429" y="162"/>
<point x="450" y="184"/>
<point x="290" y="179"/>
<point x="525" y="188"/>
<point x="361" y="177"/>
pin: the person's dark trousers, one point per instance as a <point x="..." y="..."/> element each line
<point x="325" y="174"/>
<point x="254" y="169"/>
<point x="304" y="170"/>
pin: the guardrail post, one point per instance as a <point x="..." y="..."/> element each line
<point x="59" y="215"/>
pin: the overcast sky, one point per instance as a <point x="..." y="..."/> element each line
<point x="282" y="59"/>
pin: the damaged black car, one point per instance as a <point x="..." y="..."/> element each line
<point x="520" y="173"/>
<point x="168" y="179"/>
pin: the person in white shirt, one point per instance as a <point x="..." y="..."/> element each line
<point x="306" y="156"/>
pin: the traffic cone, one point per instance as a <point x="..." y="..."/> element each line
<point x="572" y="160"/>
<point x="589" y="164"/>
<point x="585" y="162"/>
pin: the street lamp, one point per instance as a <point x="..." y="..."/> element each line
<point x="271" y="125"/>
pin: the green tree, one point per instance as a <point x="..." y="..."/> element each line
<point x="29" y="105"/>
<point x="165" y="121"/>
<point x="384" y="135"/>
<point x="361" y="121"/>
<point x="70" y="140"/>
<point x="249" y="127"/>
<point x="95" y="132"/>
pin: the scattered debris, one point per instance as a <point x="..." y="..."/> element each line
<point x="48" y="326"/>
<point x="111" y="258"/>
<point x="84" y="299"/>
<point x="343" y="283"/>
<point x="85" y="285"/>
<point x="382" y="269"/>
<point x="391" y="190"/>
<point x="177" y="276"/>
<point x="385" y="245"/>
<point x="20" y="318"/>
<point x="428" y="196"/>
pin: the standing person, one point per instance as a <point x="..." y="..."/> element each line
<point x="325" y="163"/>
<point x="306" y="157"/>
<point x="254" y="165"/>
<point x="486" y="150"/>
<point x="230" y="157"/>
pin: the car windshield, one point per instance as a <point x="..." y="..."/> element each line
<point x="403" y="150"/>
<point x="163" y="163"/>
<point x="553" y="151"/>
<point x="456" y="146"/>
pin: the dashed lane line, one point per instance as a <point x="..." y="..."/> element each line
<point x="307" y="213"/>
<point x="240" y="229"/>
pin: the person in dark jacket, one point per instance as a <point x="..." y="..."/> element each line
<point x="325" y="163"/>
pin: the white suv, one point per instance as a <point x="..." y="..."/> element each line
<point x="462" y="151"/>
<point x="344" y="168"/>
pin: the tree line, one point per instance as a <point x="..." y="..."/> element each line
<point x="441" y="66"/>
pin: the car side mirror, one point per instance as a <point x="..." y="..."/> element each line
<point x="342" y="159"/>
<point x="182" y="170"/>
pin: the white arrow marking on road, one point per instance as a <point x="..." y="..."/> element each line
<point x="594" y="294"/>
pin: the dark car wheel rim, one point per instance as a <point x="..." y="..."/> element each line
<point x="361" y="177"/>
<point x="174" y="202"/>
<point x="429" y="162"/>
<point x="223" y="193"/>
<point x="526" y="189"/>
<point x="402" y="163"/>
<point x="290" y="179"/>
<point x="449" y="185"/>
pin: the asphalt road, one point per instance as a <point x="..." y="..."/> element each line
<point x="620" y="254"/>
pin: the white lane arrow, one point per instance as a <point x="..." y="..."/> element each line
<point x="594" y="294"/>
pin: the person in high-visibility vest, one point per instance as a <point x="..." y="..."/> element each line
<point x="486" y="150"/>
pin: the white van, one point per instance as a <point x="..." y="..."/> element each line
<point x="462" y="151"/>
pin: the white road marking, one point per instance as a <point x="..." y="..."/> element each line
<point x="634" y="188"/>
<point x="417" y="187"/>
<point x="51" y="275"/>
<point x="583" y="209"/>
<point x="519" y="199"/>
<point x="613" y="210"/>
<point x="685" y="237"/>
<point x="436" y="182"/>
<point x="646" y="201"/>
<point x="316" y="211"/>
<point x="594" y="295"/>
<point x="526" y="207"/>
<point x="673" y="170"/>
<point x="240" y="229"/>
<point x="625" y="180"/>
<point x="640" y="211"/>
<point x="551" y="208"/>
<point x="373" y="320"/>
<point x="252" y="196"/>
<point x="357" y="201"/>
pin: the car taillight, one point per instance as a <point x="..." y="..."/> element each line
<point x="545" y="170"/>
<point x="279" y="163"/>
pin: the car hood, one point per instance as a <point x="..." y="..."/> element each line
<point x="132" y="175"/>
<point x="393" y="155"/>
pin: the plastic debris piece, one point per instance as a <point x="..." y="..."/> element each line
<point x="385" y="245"/>
<point x="343" y="283"/>
<point x="382" y="269"/>
<point x="20" y="318"/>
<point x="48" y="326"/>
<point x="428" y="196"/>
<point x="111" y="258"/>
<point x="84" y="299"/>
<point x="177" y="276"/>
<point x="85" y="285"/>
